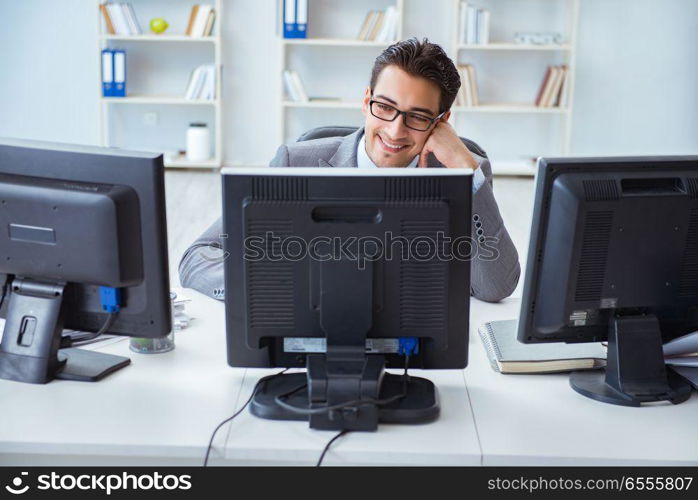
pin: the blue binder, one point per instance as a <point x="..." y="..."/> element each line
<point x="119" y="88"/>
<point x="107" y="73"/>
<point x="295" y="18"/>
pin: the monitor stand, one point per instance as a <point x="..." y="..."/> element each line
<point x="29" y="351"/>
<point x="345" y="373"/>
<point x="635" y="370"/>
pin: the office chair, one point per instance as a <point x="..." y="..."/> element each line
<point x="339" y="131"/>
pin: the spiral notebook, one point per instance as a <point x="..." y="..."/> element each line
<point x="508" y="355"/>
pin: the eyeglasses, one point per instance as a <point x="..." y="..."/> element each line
<point x="388" y="113"/>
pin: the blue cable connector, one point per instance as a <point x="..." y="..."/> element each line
<point x="111" y="298"/>
<point x="408" y="346"/>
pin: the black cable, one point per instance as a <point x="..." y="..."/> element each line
<point x="88" y="338"/>
<point x="405" y="381"/>
<point x="254" y="391"/>
<point x="327" y="446"/>
<point x="279" y="400"/>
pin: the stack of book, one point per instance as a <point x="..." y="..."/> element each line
<point x="120" y="19"/>
<point x="201" y="19"/>
<point x="473" y="25"/>
<point x="379" y="26"/>
<point x="294" y="86"/>
<point x="467" y="94"/>
<point x="553" y="90"/>
<point x="202" y="83"/>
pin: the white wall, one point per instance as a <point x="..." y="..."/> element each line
<point x="635" y="93"/>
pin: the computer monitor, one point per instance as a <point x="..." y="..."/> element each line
<point x="613" y="256"/>
<point x="83" y="245"/>
<point x="347" y="271"/>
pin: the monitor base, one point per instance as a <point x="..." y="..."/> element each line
<point x="420" y="404"/>
<point x="592" y="384"/>
<point x="30" y="348"/>
<point x="635" y="371"/>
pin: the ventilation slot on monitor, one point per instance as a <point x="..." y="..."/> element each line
<point x="600" y="190"/>
<point x="412" y="188"/>
<point x="423" y="277"/>
<point x="688" y="285"/>
<point x="592" y="262"/>
<point x="692" y="183"/>
<point x="269" y="282"/>
<point x="280" y="188"/>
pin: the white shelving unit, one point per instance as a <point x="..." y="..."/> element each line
<point x="551" y="127"/>
<point x="214" y="42"/>
<point x="514" y="111"/>
<point x="288" y="44"/>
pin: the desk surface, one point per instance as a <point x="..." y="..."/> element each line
<point x="163" y="408"/>
<point x="541" y="420"/>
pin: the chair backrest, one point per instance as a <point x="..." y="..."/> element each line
<point x="322" y="132"/>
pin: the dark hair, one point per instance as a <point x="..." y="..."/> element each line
<point x="425" y="59"/>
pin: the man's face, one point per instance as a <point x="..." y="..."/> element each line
<point x="392" y="144"/>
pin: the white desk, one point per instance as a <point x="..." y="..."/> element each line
<point x="159" y="410"/>
<point x="162" y="409"/>
<point x="541" y="420"/>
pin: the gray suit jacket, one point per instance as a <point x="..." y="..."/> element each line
<point x="201" y="266"/>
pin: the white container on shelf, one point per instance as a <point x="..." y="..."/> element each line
<point x="198" y="142"/>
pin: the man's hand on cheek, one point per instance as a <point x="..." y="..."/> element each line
<point x="447" y="147"/>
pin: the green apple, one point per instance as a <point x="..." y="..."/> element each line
<point x="158" y="25"/>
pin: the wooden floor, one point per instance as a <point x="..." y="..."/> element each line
<point x="194" y="203"/>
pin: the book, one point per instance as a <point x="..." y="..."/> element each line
<point x="507" y="355"/>
<point x="564" y="91"/>
<point x="483" y="27"/>
<point x="473" y="84"/>
<point x="552" y="81"/>
<point x="388" y="30"/>
<point x="107" y="73"/>
<point x="364" y="26"/>
<point x="118" y="18"/>
<point x="199" y="24"/>
<point x="208" y="29"/>
<point x="555" y="87"/>
<point x="372" y="20"/>
<point x="471" y="29"/>
<point x="202" y="83"/>
<point x="130" y="14"/>
<point x="107" y="19"/>
<point x="299" y="86"/>
<point x="543" y="86"/>
<point x="294" y="86"/>
<point x="192" y="16"/>
<point x="380" y="17"/>
<point x="119" y="87"/>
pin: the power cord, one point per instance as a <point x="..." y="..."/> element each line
<point x="254" y="391"/>
<point x="279" y="400"/>
<point x="327" y="446"/>
<point x="89" y="338"/>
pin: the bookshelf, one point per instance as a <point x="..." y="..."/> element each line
<point x="173" y="55"/>
<point x="328" y="36"/>
<point x="554" y="132"/>
<point x="508" y="73"/>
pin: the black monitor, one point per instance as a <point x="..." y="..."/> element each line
<point x="346" y="272"/>
<point x="83" y="245"/>
<point x="613" y="256"/>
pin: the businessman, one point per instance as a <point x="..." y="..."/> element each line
<point x="406" y="108"/>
